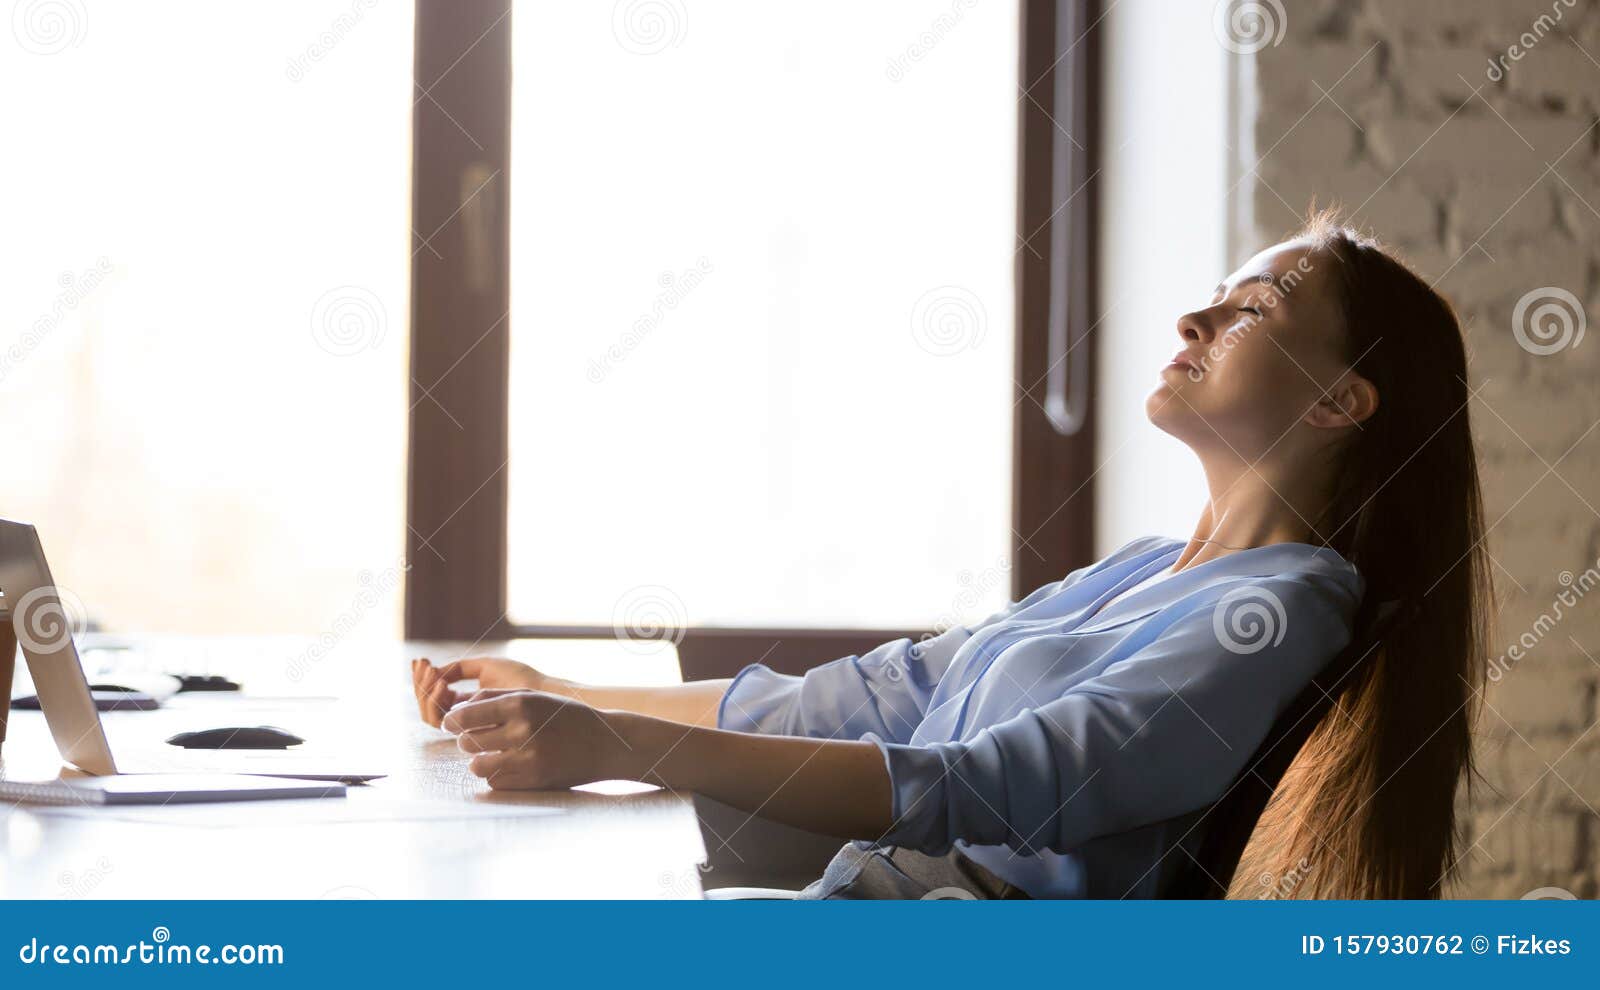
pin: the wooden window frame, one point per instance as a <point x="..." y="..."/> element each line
<point x="461" y="323"/>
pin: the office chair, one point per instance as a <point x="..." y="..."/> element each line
<point x="1226" y="827"/>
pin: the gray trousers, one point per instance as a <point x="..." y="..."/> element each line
<point x="861" y="871"/>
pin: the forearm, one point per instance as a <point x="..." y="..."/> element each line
<point x="836" y="787"/>
<point x="694" y="703"/>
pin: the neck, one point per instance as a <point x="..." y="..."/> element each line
<point x="1254" y="507"/>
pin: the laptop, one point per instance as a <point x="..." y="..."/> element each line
<point x="45" y="638"/>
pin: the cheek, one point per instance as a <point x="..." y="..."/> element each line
<point x="1252" y="380"/>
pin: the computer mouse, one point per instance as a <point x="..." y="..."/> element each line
<point x="205" y="682"/>
<point x="237" y="737"/>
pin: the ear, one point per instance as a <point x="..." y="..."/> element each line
<point x="1351" y="401"/>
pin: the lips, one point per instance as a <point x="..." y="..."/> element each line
<point x="1183" y="360"/>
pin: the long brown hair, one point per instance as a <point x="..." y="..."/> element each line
<point x="1368" y="807"/>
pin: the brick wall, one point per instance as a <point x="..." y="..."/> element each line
<point x="1485" y="174"/>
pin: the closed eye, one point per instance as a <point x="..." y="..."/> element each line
<point x="1253" y="311"/>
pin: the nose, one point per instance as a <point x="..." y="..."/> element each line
<point x="1194" y="328"/>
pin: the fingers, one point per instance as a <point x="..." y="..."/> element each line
<point x="441" y="700"/>
<point x="509" y="770"/>
<point x="487" y="708"/>
<point x="491" y="739"/>
<point x="419" y="669"/>
<point x="467" y="668"/>
<point x="434" y="696"/>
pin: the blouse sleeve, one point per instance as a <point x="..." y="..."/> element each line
<point x="883" y="692"/>
<point x="1159" y="733"/>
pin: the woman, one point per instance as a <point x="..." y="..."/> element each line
<point x="1065" y="746"/>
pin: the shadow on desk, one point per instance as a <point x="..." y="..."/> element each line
<point x="744" y="850"/>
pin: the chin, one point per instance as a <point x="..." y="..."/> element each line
<point x="1159" y="418"/>
<point x="1168" y="412"/>
<point x="1162" y="405"/>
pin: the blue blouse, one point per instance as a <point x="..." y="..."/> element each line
<point x="1066" y="748"/>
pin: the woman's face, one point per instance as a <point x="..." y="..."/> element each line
<point x="1264" y="358"/>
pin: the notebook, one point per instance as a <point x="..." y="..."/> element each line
<point x="163" y="788"/>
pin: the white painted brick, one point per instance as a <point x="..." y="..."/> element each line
<point x="1577" y="195"/>
<point x="1575" y="778"/>
<point x="1529" y="559"/>
<point x="1450" y="74"/>
<point x="1320" y="140"/>
<point x="1487" y="209"/>
<point x="1535" y="845"/>
<point x="1557" y="67"/>
<point x="1536" y="699"/>
<point x="1498" y="22"/>
<point x="1461" y="182"/>
<point x="1437" y="153"/>
<point x="1395" y="210"/>
<point x="1346" y="72"/>
<point x="1519" y="416"/>
<point x="1479" y="280"/>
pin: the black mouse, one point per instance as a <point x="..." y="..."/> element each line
<point x="237" y="737"/>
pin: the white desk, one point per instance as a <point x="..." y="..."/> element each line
<point x="430" y="830"/>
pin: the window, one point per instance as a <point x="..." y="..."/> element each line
<point x="207" y="313"/>
<point x="761" y="295"/>
<point x="731" y="320"/>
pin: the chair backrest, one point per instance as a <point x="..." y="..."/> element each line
<point x="1225" y="828"/>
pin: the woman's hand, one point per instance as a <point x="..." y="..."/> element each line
<point x="435" y="696"/>
<point x="536" y="741"/>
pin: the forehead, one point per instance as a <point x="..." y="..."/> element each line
<point x="1291" y="271"/>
